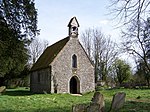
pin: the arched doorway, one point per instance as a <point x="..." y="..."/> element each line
<point x="74" y="85"/>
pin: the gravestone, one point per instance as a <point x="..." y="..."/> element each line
<point x="118" y="101"/>
<point x="2" y="89"/>
<point x="97" y="104"/>
<point x="98" y="98"/>
<point x="79" y="108"/>
<point x="94" y="107"/>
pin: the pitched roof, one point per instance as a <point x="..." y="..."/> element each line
<point x="70" y="23"/>
<point x="49" y="54"/>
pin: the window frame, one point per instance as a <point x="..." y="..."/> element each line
<point x="74" y="61"/>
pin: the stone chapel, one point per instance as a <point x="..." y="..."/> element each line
<point x="64" y="67"/>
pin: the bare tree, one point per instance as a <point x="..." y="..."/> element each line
<point x="105" y="54"/>
<point x="137" y="43"/>
<point x="133" y="13"/>
<point x="109" y="55"/>
<point x="45" y="43"/>
<point x="98" y="46"/>
<point x="102" y="51"/>
<point x="87" y="42"/>
<point x="36" y="48"/>
<point x="128" y="10"/>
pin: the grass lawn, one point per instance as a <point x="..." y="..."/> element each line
<point x="21" y="100"/>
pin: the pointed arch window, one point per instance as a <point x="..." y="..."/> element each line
<point x="74" y="61"/>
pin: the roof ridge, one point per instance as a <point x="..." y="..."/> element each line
<point x="58" y="41"/>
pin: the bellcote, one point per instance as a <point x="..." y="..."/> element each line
<point x="73" y="27"/>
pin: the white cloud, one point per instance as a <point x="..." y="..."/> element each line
<point x="104" y="22"/>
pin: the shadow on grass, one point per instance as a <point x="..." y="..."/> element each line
<point x="18" y="93"/>
<point x="50" y="109"/>
<point x="135" y="106"/>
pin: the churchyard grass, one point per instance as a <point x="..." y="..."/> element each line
<point x="21" y="100"/>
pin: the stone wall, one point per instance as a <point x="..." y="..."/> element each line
<point x="40" y="81"/>
<point x="62" y="70"/>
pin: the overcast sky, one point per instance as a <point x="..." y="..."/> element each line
<point x="54" y="16"/>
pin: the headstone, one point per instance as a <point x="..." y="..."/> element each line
<point x="97" y="105"/>
<point x="94" y="108"/>
<point x="118" y="101"/>
<point x="79" y="108"/>
<point x="98" y="99"/>
<point x="2" y="89"/>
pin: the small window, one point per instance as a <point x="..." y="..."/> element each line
<point x="74" y="61"/>
<point x="74" y="28"/>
